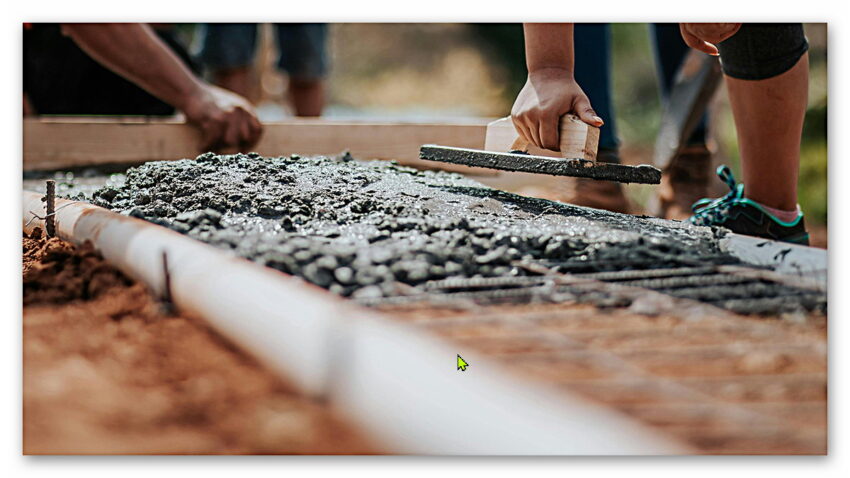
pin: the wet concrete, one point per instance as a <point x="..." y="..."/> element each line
<point x="376" y="229"/>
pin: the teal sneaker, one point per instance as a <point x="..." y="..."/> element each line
<point x="745" y="216"/>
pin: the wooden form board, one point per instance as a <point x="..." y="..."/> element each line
<point x="68" y="142"/>
<point x="577" y="139"/>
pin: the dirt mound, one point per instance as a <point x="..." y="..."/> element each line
<point x="105" y="371"/>
<point x="56" y="272"/>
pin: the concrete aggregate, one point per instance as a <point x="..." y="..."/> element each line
<point x="376" y="229"/>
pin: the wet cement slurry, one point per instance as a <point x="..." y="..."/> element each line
<point x="369" y="230"/>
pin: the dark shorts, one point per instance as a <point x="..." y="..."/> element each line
<point x="302" y="47"/>
<point x="762" y="50"/>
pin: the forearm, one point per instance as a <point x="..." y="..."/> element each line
<point x="548" y="45"/>
<point x="551" y="89"/>
<point x="150" y="63"/>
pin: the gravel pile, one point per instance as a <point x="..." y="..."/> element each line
<point x="373" y="229"/>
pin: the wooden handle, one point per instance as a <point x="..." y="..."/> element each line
<point x="520" y="144"/>
<point x="577" y="139"/>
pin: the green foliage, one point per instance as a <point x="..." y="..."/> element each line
<point x="812" y="186"/>
<point x="636" y="94"/>
<point x="503" y="44"/>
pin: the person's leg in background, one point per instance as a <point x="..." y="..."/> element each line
<point x="592" y="46"/>
<point x="303" y="56"/>
<point x="766" y="71"/>
<point x="592" y="57"/>
<point x="228" y="51"/>
<point x="688" y="176"/>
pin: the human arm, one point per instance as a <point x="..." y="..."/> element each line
<point x="136" y="53"/>
<point x="550" y="90"/>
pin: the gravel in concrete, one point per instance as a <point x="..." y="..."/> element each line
<point x="376" y="229"/>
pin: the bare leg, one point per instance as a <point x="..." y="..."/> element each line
<point x="237" y="80"/>
<point x="769" y="121"/>
<point x="307" y="96"/>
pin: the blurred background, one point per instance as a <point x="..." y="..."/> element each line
<point x="452" y="71"/>
<point x="435" y="72"/>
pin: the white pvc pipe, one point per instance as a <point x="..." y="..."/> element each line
<point x="397" y="382"/>
<point x="785" y="258"/>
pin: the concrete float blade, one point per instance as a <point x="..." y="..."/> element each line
<point x="580" y="168"/>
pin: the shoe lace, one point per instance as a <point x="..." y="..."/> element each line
<point x="713" y="211"/>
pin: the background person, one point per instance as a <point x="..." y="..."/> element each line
<point x="229" y="52"/>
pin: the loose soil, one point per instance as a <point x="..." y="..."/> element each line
<point x="107" y="371"/>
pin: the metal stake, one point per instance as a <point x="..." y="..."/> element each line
<point x="49" y="218"/>
<point x="167" y="299"/>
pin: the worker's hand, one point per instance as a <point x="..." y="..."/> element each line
<point x="549" y="94"/>
<point x="226" y="119"/>
<point x="704" y="36"/>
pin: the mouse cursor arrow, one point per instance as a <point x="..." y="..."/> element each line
<point x="461" y="363"/>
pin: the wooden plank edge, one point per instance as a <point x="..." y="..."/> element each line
<point x="57" y="143"/>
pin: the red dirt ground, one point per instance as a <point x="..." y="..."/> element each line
<point x="719" y="382"/>
<point x="106" y="371"/>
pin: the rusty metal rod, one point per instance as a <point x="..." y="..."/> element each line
<point x="50" y="207"/>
